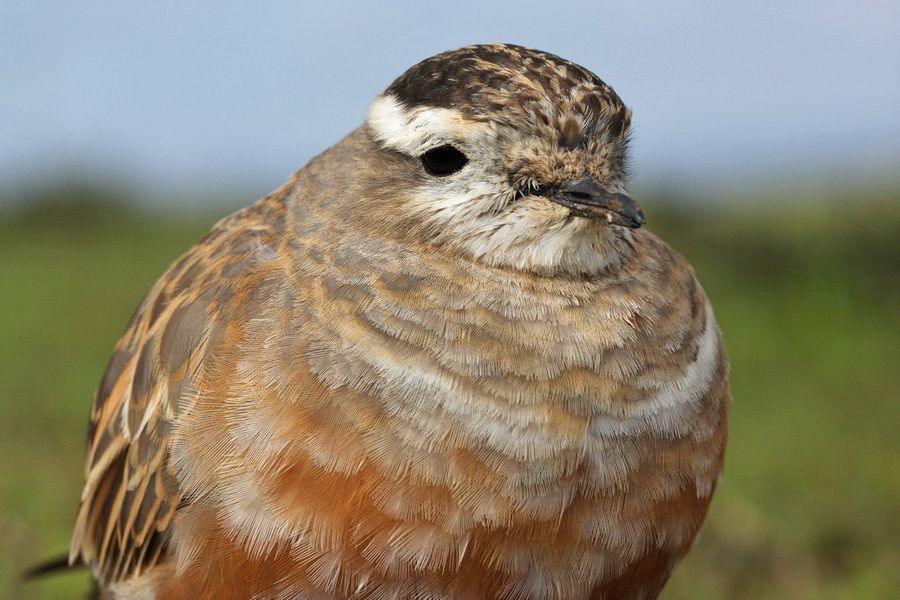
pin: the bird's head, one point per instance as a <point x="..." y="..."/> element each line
<point x="513" y="156"/>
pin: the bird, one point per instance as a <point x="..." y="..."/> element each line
<point x="444" y="360"/>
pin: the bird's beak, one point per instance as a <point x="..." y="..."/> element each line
<point x="585" y="197"/>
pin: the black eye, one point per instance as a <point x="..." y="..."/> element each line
<point x="443" y="160"/>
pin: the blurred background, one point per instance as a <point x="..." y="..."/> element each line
<point x="766" y="149"/>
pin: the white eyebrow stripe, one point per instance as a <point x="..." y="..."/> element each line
<point x="412" y="131"/>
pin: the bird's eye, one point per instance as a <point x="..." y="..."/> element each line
<point x="443" y="160"/>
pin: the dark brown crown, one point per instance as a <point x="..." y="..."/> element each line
<point x="503" y="80"/>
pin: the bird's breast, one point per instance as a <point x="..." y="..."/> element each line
<point x="431" y="424"/>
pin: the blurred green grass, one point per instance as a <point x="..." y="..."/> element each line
<point x="807" y="293"/>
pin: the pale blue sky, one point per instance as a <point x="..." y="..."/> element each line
<point x="205" y="94"/>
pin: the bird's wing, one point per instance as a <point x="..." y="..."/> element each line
<point x="131" y="493"/>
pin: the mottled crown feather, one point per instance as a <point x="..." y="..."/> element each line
<point x="505" y="81"/>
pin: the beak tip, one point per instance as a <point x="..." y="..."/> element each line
<point x="629" y="213"/>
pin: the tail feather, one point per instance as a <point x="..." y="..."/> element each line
<point x="48" y="567"/>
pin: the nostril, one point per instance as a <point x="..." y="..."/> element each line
<point x="578" y="194"/>
<point x="586" y="188"/>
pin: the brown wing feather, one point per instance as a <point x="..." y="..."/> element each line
<point x="130" y="494"/>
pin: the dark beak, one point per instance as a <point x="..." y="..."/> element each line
<point x="585" y="197"/>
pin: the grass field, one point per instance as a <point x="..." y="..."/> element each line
<point x="807" y="294"/>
